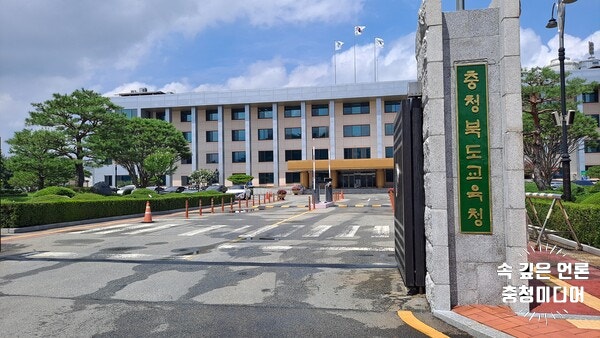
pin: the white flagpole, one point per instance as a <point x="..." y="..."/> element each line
<point x="375" y="60"/>
<point x="334" y="62"/>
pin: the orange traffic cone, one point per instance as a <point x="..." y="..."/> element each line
<point x="147" y="214"/>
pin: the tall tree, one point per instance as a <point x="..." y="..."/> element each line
<point x="159" y="164"/>
<point x="540" y="90"/>
<point x="129" y="142"/>
<point x="34" y="161"/>
<point x="77" y="116"/>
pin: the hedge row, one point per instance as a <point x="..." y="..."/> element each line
<point x="585" y="219"/>
<point x="16" y="215"/>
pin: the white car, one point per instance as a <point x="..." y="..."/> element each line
<point x="240" y="191"/>
<point x="126" y="190"/>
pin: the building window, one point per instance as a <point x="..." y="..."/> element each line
<point x="321" y="154"/>
<point x="186" y="116"/>
<point x="293" y="133"/>
<point x="265" y="134"/>
<point x="187" y="135"/>
<point x="212" y="115"/>
<point x="320" y="110"/>
<point x="238" y="135"/>
<point x="291" y="111"/>
<point x="186" y="160"/>
<point x="128" y="112"/>
<point x="320" y="132"/>
<point x="356" y="108"/>
<point x="592" y="146"/>
<point x="355" y="153"/>
<point x="292" y="178"/>
<point x="389" y="129"/>
<point x="160" y="115"/>
<point x="392" y="106"/>
<point x="357" y="130"/>
<point x="293" y="155"/>
<point x="238" y="156"/>
<point x="212" y="136"/>
<point x="265" y="156"/>
<point x="265" y="112"/>
<point x="212" y="158"/>
<point x="238" y="113"/>
<point x="389" y="152"/>
<point x="590" y="97"/>
<point x="266" y="178"/>
<point x="185" y="180"/>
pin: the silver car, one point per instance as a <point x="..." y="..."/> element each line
<point x="240" y="191"/>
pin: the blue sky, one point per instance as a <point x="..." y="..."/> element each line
<point x="114" y="46"/>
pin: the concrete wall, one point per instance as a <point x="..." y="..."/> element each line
<point x="462" y="267"/>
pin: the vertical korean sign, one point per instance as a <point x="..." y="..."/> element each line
<point x="473" y="149"/>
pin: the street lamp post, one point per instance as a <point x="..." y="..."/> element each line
<point x="565" y="158"/>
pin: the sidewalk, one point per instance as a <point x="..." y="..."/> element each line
<point x="579" y="316"/>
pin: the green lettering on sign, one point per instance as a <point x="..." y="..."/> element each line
<point x="473" y="149"/>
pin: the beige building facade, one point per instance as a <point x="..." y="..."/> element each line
<point x="283" y="136"/>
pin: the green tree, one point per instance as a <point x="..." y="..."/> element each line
<point x="129" y="142"/>
<point x="240" y="178"/>
<point x="77" y="116"/>
<point x="159" y="164"/>
<point x="594" y="171"/>
<point x="5" y="174"/>
<point x="34" y="161"/>
<point x="204" y="177"/>
<point x="540" y="90"/>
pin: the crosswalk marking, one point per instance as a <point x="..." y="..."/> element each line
<point x="232" y="246"/>
<point x="203" y="230"/>
<point x="317" y="231"/>
<point x="349" y="232"/>
<point x="126" y="227"/>
<point x="118" y="226"/>
<point x="157" y="228"/>
<point x="259" y="231"/>
<point x="381" y="231"/>
<point x="245" y="231"/>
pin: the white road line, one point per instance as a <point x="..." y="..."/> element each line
<point x="317" y="231"/>
<point x="349" y="232"/>
<point x="231" y="246"/>
<point x="100" y="230"/>
<point x="155" y="228"/>
<point x="259" y="231"/>
<point x="52" y="254"/>
<point x="199" y="231"/>
<point x="240" y="229"/>
<point x="290" y="231"/>
<point x="126" y="228"/>
<point x="381" y="231"/>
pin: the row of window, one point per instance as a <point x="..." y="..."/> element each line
<point x="293" y="155"/>
<point x="294" y="111"/>
<point x="294" y="133"/>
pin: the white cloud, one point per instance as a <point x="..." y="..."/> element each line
<point x="534" y="53"/>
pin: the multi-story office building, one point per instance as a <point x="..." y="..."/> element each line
<point x="280" y="136"/>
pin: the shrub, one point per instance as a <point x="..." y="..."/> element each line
<point x="592" y="199"/>
<point x="583" y="216"/>
<point x="46" y="198"/>
<point x="143" y="193"/>
<point x="55" y="191"/>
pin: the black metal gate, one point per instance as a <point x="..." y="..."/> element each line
<point x="409" y="206"/>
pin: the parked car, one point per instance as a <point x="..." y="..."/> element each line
<point x="216" y="187"/>
<point x="240" y="191"/>
<point x="176" y="189"/>
<point x="157" y="188"/>
<point x="126" y="189"/>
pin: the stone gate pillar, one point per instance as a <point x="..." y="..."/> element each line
<point x="469" y="69"/>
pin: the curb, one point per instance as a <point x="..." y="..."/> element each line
<point x="470" y="326"/>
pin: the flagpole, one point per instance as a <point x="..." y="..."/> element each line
<point x="334" y="62"/>
<point x="375" y="60"/>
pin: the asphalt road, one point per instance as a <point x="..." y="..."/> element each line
<point x="269" y="273"/>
